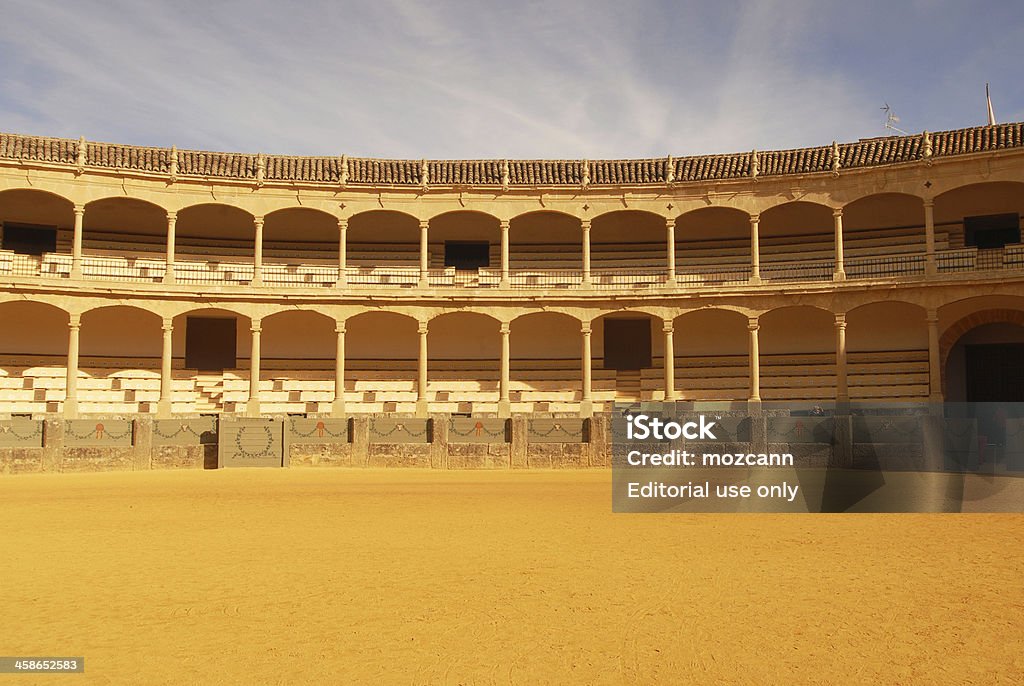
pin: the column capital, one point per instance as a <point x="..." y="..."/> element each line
<point x="753" y="324"/>
<point x="504" y="224"/>
<point x="668" y="326"/>
<point x="585" y="224"/>
<point x="422" y="328"/>
<point x="256" y="326"/>
<point x="258" y="220"/>
<point x="841" y="320"/>
<point x="168" y="324"/>
<point x="171" y="216"/>
<point x="75" y="321"/>
<point x="928" y="202"/>
<point x="755" y="217"/>
<point x="837" y="212"/>
<point x="932" y="315"/>
<point x="339" y="326"/>
<point x="424" y="224"/>
<point x="585" y="329"/>
<point x="79" y="209"/>
<point x="505" y="328"/>
<point x="670" y="222"/>
<point x="342" y="223"/>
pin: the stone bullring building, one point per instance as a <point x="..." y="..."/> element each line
<point x="154" y="282"/>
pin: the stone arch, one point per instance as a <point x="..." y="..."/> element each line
<point x="957" y="329"/>
<point x="387" y="238"/>
<point x="548" y="240"/>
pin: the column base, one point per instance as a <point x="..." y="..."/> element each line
<point x="252" y="409"/>
<point x="423" y="283"/>
<point x="931" y="269"/>
<point x="586" y="408"/>
<point x="754" y="280"/>
<point x="163" y="409"/>
<point x="504" y="409"/>
<point x="76" y="273"/>
<point x="338" y="408"/>
<point x="754" y="406"/>
<point x="70" y="409"/>
<point x="422" y="409"/>
<point x="839" y="276"/>
<point x="169" y="276"/>
<point x="504" y="283"/>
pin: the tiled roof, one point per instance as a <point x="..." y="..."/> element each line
<point x="369" y="171"/>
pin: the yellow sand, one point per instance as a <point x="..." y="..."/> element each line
<point x="418" y="577"/>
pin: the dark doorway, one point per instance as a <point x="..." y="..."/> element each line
<point x="627" y="344"/>
<point x="995" y="372"/>
<point x="210" y="343"/>
<point x="992" y="230"/>
<point x="29" y="239"/>
<point x="469" y="255"/>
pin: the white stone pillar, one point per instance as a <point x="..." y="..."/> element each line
<point x="71" y="378"/>
<point x="837" y="217"/>
<point x="755" y="361"/>
<point x="504" y="254"/>
<point x="342" y="251"/>
<point x="670" y="239"/>
<point x="755" y="249"/>
<point x="164" y="407"/>
<point x="257" y="268"/>
<point x="172" y="219"/>
<point x="842" y="387"/>
<point x="422" y="406"/>
<point x="424" y="252"/>
<point x="585" y="226"/>
<point x="670" y="360"/>
<point x="934" y="360"/>
<point x="76" y="243"/>
<point x="504" y="398"/>
<point x="586" y="403"/>
<point x="338" y="406"/>
<point x="930" y="267"/>
<point x="252" y="408"/>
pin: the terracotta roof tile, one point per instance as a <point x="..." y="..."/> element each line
<point x="369" y="171"/>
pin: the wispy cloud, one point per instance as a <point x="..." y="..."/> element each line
<point x="469" y="79"/>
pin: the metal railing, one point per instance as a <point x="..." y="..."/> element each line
<point x="910" y="264"/>
<point x="229" y="273"/>
<point x="818" y="270"/>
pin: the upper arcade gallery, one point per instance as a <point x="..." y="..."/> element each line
<point x="825" y="226"/>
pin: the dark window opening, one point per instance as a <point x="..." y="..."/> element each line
<point x="210" y="344"/>
<point x="992" y="230"/>
<point x="627" y="344"/>
<point x="30" y="239"/>
<point x="467" y="254"/>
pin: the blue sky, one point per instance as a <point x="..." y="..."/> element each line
<point x="477" y="79"/>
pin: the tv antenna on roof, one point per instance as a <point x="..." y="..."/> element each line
<point x="891" y="119"/>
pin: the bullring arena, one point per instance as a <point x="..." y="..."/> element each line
<point x="166" y="310"/>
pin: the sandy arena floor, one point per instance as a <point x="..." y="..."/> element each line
<point x="417" y="577"/>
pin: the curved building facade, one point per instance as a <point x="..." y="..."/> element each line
<point x="178" y="283"/>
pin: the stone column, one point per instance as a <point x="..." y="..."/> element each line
<point x="338" y="406"/>
<point x="930" y="267"/>
<point x="257" y="268"/>
<point x="670" y="236"/>
<point x="342" y="251"/>
<point x="586" y="403"/>
<point x="755" y="361"/>
<point x="164" y="407"/>
<point x="504" y="254"/>
<point x="934" y="361"/>
<point x="172" y="218"/>
<point x="504" y="400"/>
<point x="252" y="408"/>
<point x="76" y="243"/>
<point x="837" y="216"/>
<point x="424" y="252"/>
<point x="421" y="384"/>
<point x="670" y="361"/>
<point x="71" y="378"/>
<point x="585" y="226"/>
<point x="842" y="389"/>
<point x="755" y="249"/>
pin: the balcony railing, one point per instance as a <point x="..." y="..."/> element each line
<point x="231" y="273"/>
